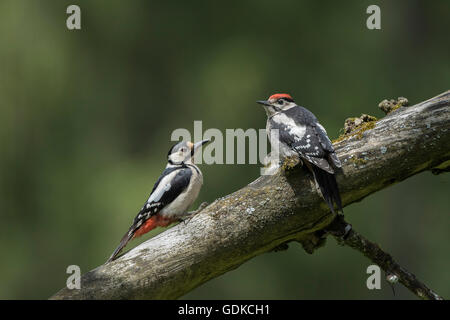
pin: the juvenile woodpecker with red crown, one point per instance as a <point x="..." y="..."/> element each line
<point x="300" y="135"/>
<point x="173" y="193"/>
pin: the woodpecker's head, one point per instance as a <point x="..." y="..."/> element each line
<point x="276" y="103"/>
<point x="183" y="152"/>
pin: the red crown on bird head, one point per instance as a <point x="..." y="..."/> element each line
<point x="277" y="96"/>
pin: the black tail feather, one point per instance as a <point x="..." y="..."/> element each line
<point x="329" y="188"/>
<point x="125" y="239"/>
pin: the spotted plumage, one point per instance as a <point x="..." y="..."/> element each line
<point x="301" y="135"/>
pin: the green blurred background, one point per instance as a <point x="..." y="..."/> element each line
<point x="87" y="116"/>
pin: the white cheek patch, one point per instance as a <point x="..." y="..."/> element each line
<point x="289" y="106"/>
<point x="292" y="128"/>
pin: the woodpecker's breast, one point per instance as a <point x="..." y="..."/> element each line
<point x="181" y="204"/>
<point x="289" y="132"/>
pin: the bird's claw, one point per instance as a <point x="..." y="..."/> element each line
<point x="188" y="216"/>
<point x="202" y="206"/>
<point x="291" y="162"/>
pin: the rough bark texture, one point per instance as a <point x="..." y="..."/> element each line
<point x="275" y="209"/>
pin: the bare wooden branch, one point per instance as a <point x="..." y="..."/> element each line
<point x="389" y="265"/>
<point x="394" y="272"/>
<point x="274" y="210"/>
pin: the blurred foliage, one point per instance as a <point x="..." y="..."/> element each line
<point x="87" y="116"/>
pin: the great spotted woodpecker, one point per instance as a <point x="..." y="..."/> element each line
<point x="302" y="136"/>
<point x="173" y="193"/>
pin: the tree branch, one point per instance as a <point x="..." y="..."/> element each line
<point x="386" y="262"/>
<point x="274" y="210"/>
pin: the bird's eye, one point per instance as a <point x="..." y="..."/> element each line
<point x="280" y="101"/>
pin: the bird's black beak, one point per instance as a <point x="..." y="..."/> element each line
<point x="263" y="102"/>
<point x="199" y="144"/>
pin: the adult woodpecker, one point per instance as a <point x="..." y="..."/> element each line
<point x="302" y="136"/>
<point x="173" y="193"/>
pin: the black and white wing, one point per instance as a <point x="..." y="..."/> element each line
<point x="170" y="184"/>
<point x="307" y="137"/>
<point x="327" y="145"/>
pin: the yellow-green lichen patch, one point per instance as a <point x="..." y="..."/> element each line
<point x="358" y="161"/>
<point x="364" y="127"/>
<point x="357" y="126"/>
<point x="387" y="106"/>
<point x="340" y="138"/>
<point x="289" y="163"/>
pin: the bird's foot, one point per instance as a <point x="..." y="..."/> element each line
<point x="188" y="216"/>
<point x="290" y="162"/>
<point x="202" y="206"/>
